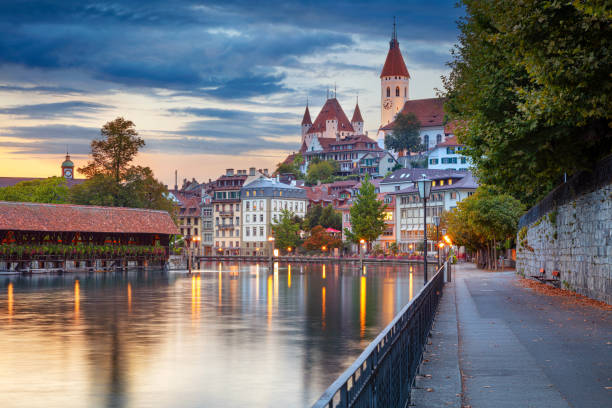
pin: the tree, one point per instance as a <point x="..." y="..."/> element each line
<point x="321" y="171"/>
<point x="291" y="168"/>
<point x="49" y="190"/>
<point x="482" y="221"/>
<point x="319" y="239"/>
<point x="112" y="178"/>
<point x="113" y="154"/>
<point x="286" y="231"/>
<point x="367" y="215"/>
<point x="313" y="216"/>
<point x="530" y="81"/>
<point x="405" y="135"/>
<point x="326" y="216"/>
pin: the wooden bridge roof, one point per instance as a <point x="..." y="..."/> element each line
<point x="16" y="216"/>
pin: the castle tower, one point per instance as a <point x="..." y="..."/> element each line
<point x="306" y="123"/>
<point x="68" y="168"/>
<point x="394" y="80"/>
<point x="357" y="120"/>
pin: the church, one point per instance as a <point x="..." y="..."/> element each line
<point x="333" y="137"/>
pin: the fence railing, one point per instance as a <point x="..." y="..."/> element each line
<point x="581" y="183"/>
<point x="383" y="375"/>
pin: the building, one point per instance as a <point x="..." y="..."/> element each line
<point x="447" y="156"/>
<point x="394" y="83"/>
<point x="67" y="171"/>
<point x="388" y="236"/>
<point x="189" y="218"/>
<point x="447" y="190"/>
<point x="403" y="178"/>
<point x="226" y="208"/>
<point x="207" y="222"/>
<point x="262" y="202"/>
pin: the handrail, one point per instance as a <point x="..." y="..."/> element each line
<point x="372" y="380"/>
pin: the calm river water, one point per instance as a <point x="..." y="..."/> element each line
<point x="228" y="336"/>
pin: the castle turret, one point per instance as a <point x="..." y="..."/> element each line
<point x="68" y="168"/>
<point x="357" y="120"/>
<point x="306" y="123"/>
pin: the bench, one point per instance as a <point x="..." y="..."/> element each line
<point x="556" y="277"/>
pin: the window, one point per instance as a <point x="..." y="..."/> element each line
<point x="261" y="231"/>
<point x="237" y="220"/>
<point x="223" y="233"/>
<point x="217" y="220"/>
<point x="247" y="193"/>
<point x="438" y="138"/>
<point x="182" y="233"/>
<point x="237" y="244"/>
<point x="217" y="207"/>
<point x="397" y="91"/>
<point x="405" y="92"/>
<point x="254" y="193"/>
<point x="450" y="150"/>
<point x="463" y="160"/>
<point x="195" y="231"/>
<point x="254" y="231"/>
<point x="397" y="188"/>
<point x="388" y="92"/>
<point x="453" y="195"/>
<point x="433" y="161"/>
<point x="217" y="233"/>
<point x="247" y="231"/>
<point x="260" y="217"/>
<point x="231" y="233"/>
<point x="426" y="141"/>
<point x="248" y="205"/>
<point x="248" y="218"/>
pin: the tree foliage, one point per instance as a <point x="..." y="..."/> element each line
<point x="291" y="168"/>
<point x="482" y="221"/>
<point x="49" y="190"/>
<point x="321" y="171"/>
<point x="319" y="238"/>
<point x="327" y="217"/>
<point x="531" y="82"/>
<point x="367" y="215"/>
<point x="286" y="231"/>
<point x="405" y="135"/>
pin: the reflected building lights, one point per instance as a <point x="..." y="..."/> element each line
<point x="323" y="271"/>
<point x="362" y="306"/>
<point x="129" y="297"/>
<point x="410" y="285"/>
<point x="196" y="293"/>
<point x="276" y="283"/>
<point x="289" y="276"/>
<point x="269" y="293"/>
<point x="220" y="286"/>
<point x="323" y="306"/>
<point x="77" y="299"/>
<point x="10" y="299"/>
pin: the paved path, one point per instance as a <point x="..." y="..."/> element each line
<point x="515" y="348"/>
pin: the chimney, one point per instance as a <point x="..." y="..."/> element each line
<point x="229" y="172"/>
<point x="266" y="172"/>
<point x="252" y="171"/>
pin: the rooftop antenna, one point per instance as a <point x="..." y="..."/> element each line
<point x="394" y="30"/>
<point x="357" y="97"/>
<point x="306" y="100"/>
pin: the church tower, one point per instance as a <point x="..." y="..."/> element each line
<point x="68" y="168"/>
<point x="394" y="80"/>
<point x="306" y="123"/>
<point x="357" y="120"/>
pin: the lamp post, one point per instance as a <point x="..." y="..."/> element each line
<point x="361" y="251"/>
<point x="271" y="241"/>
<point x="436" y="221"/>
<point x="188" y="245"/>
<point x="424" y="186"/>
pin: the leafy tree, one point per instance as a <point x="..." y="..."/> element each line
<point x="331" y="218"/>
<point x="321" y="171"/>
<point x="114" y="152"/>
<point x="405" y="135"/>
<point x="292" y="168"/>
<point x="320" y="238"/>
<point x="49" y="190"/>
<point x="530" y="81"/>
<point x="313" y="216"/>
<point x="286" y="231"/>
<point x="97" y="190"/>
<point x="482" y="221"/>
<point x="367" y="215"/>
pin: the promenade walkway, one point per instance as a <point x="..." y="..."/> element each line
<point x="496" y="343"/>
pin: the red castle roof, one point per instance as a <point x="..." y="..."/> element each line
<point x="306" y="120"/>
<point x="429" y="112"/>
<point x="357" y="115"/>
<point x="394" y="64"/>
<point x="331" y="111"/>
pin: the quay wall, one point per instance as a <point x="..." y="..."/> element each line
<point x="570" y="231"/>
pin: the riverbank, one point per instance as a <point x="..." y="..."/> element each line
<point x="513" y="346"/>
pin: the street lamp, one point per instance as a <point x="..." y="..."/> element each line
<point x="424" y="186"/>
<point x="271" y="241"/>
<point x="361" y="250"/>
<point x="436" y="221"/>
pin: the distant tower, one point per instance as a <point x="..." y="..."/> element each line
<point x="68" y="168"/>
<point x="357" y="120"/>
<point x="394" y="80"/>
<point x="306" y="123"/>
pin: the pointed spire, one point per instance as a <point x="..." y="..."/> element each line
<point x="335" y="90"/>
<point x="357" y="113"/>
<point x="394" y="64"/>
<point x="306" y="120"/>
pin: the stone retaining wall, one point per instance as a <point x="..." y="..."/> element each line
<point x="574" y="238"/>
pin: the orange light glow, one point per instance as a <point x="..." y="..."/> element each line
<point x="77" y="299"/>
<point x="362" y="306"/>
<point x="447" y="239"/>
<point x="288" y="276"/>
<point x="323" y="306"/>
<point x="129" y="295"/>
<point x="410" y="290"/>
<point x="270" y="289"/>
<point x="323" y="271"/>
<point x="441" y="245"/>
<point x="10" y="299"/>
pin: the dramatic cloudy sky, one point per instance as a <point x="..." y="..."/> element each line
<point x="209" y="85"/>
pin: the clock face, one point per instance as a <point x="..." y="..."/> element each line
<point x="387" y="104"/>
<point x="68" y="173"/>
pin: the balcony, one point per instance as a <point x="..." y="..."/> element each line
<point x="226" y="213"/>
<point x="225" y="226"/>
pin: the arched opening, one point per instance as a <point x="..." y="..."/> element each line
<point x="388" y="92"/>
<point x="405" y="92"/>
<point x="438" y="138"/>
<point x="426" y="141"/>
<point x="397" y="91"/>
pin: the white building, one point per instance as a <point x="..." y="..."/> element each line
<point x="446" y="192"/>
<point x="447" y="155"/>
<point x="261" y="203"/>
<point x="404" y="178"/>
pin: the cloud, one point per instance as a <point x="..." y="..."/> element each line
<point x="52" y="110"/>
<point x="42" y="89"/>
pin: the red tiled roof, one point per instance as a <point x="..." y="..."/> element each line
<point x="16" y="216"/>
<point x="357" y="115"/>
<point x="306" y="120"/>
<point x="430" y="112"/>
<point x="450" y="141"/>
<point x="331" y="111"/>
<point x="394" y="64"/>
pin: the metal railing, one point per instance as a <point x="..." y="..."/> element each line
<point x="383" y="375"/>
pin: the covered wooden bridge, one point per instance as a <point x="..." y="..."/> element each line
<point x="65" y="236"/>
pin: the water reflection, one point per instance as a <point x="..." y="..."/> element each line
<point x="260" y="343"/>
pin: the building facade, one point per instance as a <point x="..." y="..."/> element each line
<point x="262" y="202"/>
<point x="447" y="155"/>
<point x="226" y="211"/>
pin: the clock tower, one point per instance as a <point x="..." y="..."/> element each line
<point x="68" y="168"/>
<point x="394" y="80"/>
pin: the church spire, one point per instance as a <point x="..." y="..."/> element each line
<point x="306" y="120"/>
<point x="394" y="64"/>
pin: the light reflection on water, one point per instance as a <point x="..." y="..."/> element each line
<point x="227" y="336"/>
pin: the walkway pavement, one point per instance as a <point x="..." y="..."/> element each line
<point x="512" y="347"/>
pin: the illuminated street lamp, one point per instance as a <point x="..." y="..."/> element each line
<point x="424" y="186"/>
<point x="271" y="240"/>
<point x="436" y="221"/>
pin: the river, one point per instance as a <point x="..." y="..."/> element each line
<point x="228" y="335"/>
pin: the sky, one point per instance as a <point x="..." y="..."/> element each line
<point x="209" y="85"/>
